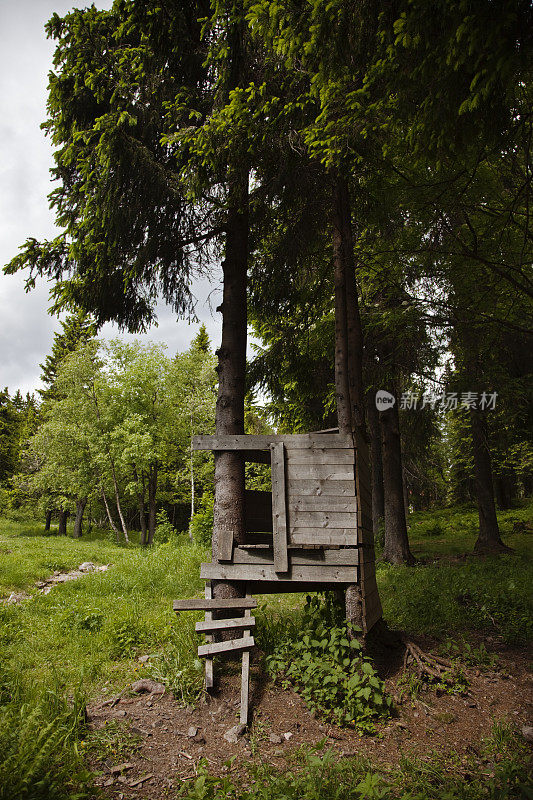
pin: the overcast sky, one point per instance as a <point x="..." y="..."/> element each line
<point x="26" y="329"/>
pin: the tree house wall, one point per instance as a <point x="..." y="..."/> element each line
<point x="314" y="530"/>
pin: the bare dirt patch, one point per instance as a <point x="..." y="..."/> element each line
<point x="174" y="739"/>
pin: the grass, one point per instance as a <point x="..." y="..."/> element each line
<point x="84" y="638"/>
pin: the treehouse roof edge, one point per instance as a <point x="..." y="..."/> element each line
<point x="296" y="441"/>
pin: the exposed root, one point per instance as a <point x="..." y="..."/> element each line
<point x="426" y="663"/>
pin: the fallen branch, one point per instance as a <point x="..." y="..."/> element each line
<point x="426" y="663"/>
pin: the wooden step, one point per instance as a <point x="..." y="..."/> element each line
<point x="246" y="643"/>
<point x="200" y="604"/>
<point x="225" y="624"/>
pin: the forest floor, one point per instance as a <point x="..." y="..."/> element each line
<point x="86" y="641"/>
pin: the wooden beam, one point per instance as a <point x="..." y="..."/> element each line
<point x="245" y="678"/>
<point x="279" y="511"/>
<point x="321" y="455"/>
<point x="266" y="572"/>
<point x="342" y="536"/>
<point x="225" y="545"/>
<point x="323" y="519"/>
<point x="209" y="673"/>
<point x="321" y="503"/>
<point x="198" y="604"/>
<point x="231" y="645"/>
<point x="348" y="556"/>
<point x="319" y="488"/>
<point x="238" y="623"/>
<point x="292" y="441"/>
<point x="326" y="472"/>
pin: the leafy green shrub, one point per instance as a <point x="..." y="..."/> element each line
<point x="164" y="529"/>
<point x="329" y="670"/>
<point x="202" y="521"/>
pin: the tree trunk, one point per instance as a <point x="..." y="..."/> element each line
<point x="108" y="512"/>
<point x="376" y="459"/>
<point x="489" y="539"/>
<point x="63" y="517"/>
<point x="152" y="505"/>
<point x="348" y="350"/>
<point x="192" y="485"/>
<point x="229" y="419"/>
<point x="48" y="520"/>
<point x="140" y="506"/>
<point x="80" y="508"/>
<point x="396" y="549"/>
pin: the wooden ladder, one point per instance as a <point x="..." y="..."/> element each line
<point x="210" y="627"/>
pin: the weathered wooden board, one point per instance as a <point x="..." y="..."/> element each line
<point x="341" y="536"/>
<point x="321" y="503"/>
<point x="226" y="647"/>
<point x="319" y="488"/>
<point x="292" y="441"/>
<point x="238" y="623"/>
<point x="209" y="673"/>
<point x="279" y="511"/>
<point x="327" y="472"/>
<point x="348" y="556"/>
<point x="245" y="679"/>
<point x="372" y="610"/>
<point x="225" y="545"/>
<point x="264" y="572"/>
<point x="198" y="604"/>
<point x="321" y="455"/>
<point x="322" y="519"/>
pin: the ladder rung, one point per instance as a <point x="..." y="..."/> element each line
<point x="225" y="624"/>
<point x="246" y="643"/>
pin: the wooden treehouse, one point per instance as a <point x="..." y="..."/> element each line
<point x="312" y="532"/>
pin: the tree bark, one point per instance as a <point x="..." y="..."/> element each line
<point x="489" y="539"/>
<point x="63" y="517"/>
<point x="140" y="506"/>
<point x="348" y="350"/>
<point x="78" y="521"/>
<point x="376" y="463"/>
<point x="396" y="549"/>
<point x="152" y="505"/>
<point x="229" y="415"/>
<point x="48" y="520"/>
<point x="108" y="512"/>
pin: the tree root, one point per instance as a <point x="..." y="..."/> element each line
<point x="426" y="664"/>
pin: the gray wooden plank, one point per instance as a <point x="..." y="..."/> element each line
<point x="198" y="604"/>
<point x="318" y="488"/>
<point x="237" y="623"/>
<point x="321" y="455"/>
<point x="326" y="472"/>
<point x="226" y="647"/>
<point x="225" y="545"/>
<point x="209" y="673"/>
<point x="292" y="441"/>
<point x="245" y="680"/>
<point x="279" y="512"/>
<point x="348" y="556"/>
<point x="321" y="503"/>
<point x="343" y="536"/>
<point x="265" y="572"/>
<point x="322" y="519"/>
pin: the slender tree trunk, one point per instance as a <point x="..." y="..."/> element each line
<point x="489" y="539"/>
<point x="152" y="505"/>
<point x="192" y="484"/>
<point x="378" y="496"/>
<point x="108" y="512"/>
<point x="396" y="549"/>
<point x="140" y="506"/>
<point x="80" y="508"/>
<point x="229" y="419"/>
<point x="63" y="517"/>
<point x="48" y="519"/>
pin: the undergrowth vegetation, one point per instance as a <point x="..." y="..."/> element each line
<point x="324" y="662"/>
